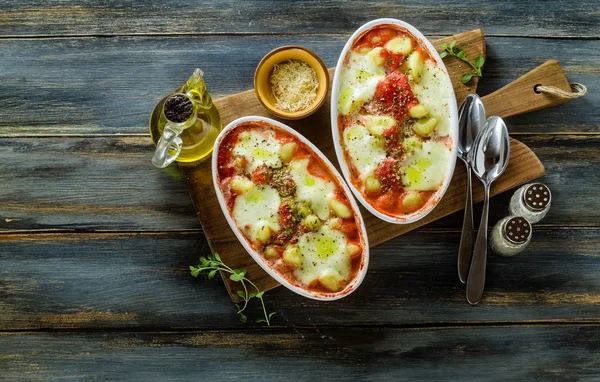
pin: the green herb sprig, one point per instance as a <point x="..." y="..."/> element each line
<point x="454" y="51"/>
<point x="213" y="264"/>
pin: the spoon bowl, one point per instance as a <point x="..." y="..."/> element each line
<point x="489" y="157"/>
<point x="471" y="118"/>
<point x="491" y="150"/>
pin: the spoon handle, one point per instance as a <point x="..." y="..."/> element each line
<point x="465" y="250"/>
<point x="476" y="279"/>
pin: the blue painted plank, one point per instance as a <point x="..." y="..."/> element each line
<point x="87" y="17"/>
<point x="141" y="280"/>
<point x="109" y="183"/>
<point x="309" y="354"/>
<point x="107" y="86"/>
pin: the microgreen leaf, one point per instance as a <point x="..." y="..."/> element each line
<point x="457" y="52"/>
<point x="241" y="272"/>
<point x="213" y="264"/>
<point x="479" y="60"/>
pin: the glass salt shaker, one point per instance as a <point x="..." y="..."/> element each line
<point x="532" y="201"/>
<point x="511" y="235"/>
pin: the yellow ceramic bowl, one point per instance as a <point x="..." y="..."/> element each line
<point x="262" y="79"/>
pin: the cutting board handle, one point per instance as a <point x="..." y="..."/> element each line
<point x="520" y="96"/>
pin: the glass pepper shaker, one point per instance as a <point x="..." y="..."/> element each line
<point x="511" y="235"/>
<point x="532" y="201"/>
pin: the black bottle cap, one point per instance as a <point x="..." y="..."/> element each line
<point x="178" y="108"/>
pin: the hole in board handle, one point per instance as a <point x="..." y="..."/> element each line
<point x="535" y="89"/>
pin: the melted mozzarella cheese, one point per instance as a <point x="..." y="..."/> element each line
<point x="434" y="91"/>
<point x="359" y="82"/>
<point x="365" y="150"/>
<point x="256" y="209"/>
<point x="312" y="189"/>
<point x="323" y="253"/>
<point x="259" y="147"/>
<point x="426" y="168"/>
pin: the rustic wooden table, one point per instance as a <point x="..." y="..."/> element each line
<point x="95" y="242"/>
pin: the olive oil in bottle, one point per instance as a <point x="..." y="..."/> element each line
<point x="185" y="124"/>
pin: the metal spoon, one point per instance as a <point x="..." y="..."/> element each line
<point x="489" y="157"/>
<point x="471" y="119"/>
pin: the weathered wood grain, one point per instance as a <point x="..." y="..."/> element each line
<point x="87" y="17"/>
<point x="88" y="282"/>
<point x="198" y="177"/>
<point x="108" y="183"/>
<point x="523" y="168"/>
<point x="118" y="280"/>
<point x="89" y="184"/>
<point x="106" y="86"/>
<point x="521" y="97"/>
<point x="308" y="354"/>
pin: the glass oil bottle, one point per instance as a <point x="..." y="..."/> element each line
<point x="185" y="124"/>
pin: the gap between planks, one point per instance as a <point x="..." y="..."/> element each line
<point x="249" y="34"/>
<point x="196" y="231"/>
<point x="574" y="322"/>
<point x="146" y="135"/>
<point x="179" y="34"/>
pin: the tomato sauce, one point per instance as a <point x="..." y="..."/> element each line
<point x="393" y="97"/>
<point x="290" y="228"/>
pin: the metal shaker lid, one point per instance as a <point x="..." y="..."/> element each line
<point x="536" y="197"/>
<point x="517" y="230"/>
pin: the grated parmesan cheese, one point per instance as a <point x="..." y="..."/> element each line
<point x="294" y="85"/>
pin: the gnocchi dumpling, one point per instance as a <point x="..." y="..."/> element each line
<point x="412" y="200"/>
<point x="416" y="65"/>
<point x="340" y="209"/>
<point x="376" y="55"/>
<point x="400" y="45"/>
<point x="378" y="124"/>
<point x="372" y="184"/>
<point x="241" y="185"/>
<point x="418" y="111"/>
<point x="292" y="255"/>
<point x="287" y="151"/>
<point x="312" y="222"/>
<point x="425" y="127"/>
<point x="331" y="280"/>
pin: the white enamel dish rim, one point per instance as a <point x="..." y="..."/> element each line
<point x="421" y="213"/>
<point x="355" y="283"/>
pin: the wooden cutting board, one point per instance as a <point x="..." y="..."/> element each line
<point x="515" y="98"/>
